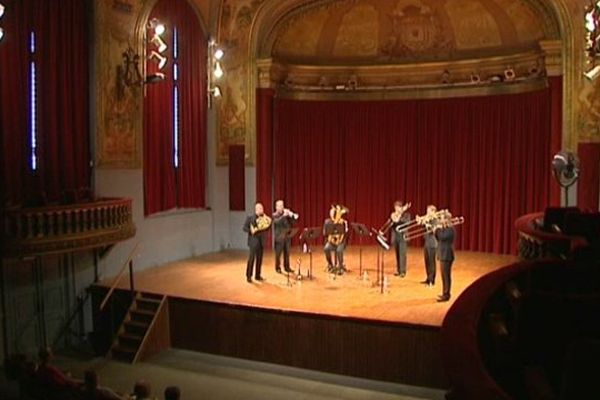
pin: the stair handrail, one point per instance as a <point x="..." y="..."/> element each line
<point x="127" y="264"/>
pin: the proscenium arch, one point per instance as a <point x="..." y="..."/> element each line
<point x="274" y="12"/>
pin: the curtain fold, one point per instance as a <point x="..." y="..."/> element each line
<point x="166" y="186"/>
<point x="62" y="65"/>
<point x="486" y="158"/>
<point x="264" y="146"/>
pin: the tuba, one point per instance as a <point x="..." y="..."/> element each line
<point x="262" y="224"/>
<point x="337" y="238"/>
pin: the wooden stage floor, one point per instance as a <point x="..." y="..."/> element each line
<point x="220" y="277"/>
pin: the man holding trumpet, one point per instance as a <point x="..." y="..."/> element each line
<point x="283" y="220"/>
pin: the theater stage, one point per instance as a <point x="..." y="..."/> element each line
<point x="220" y="277"/>
<point x="342" y="325"/>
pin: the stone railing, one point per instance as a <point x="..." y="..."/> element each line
<point x="66" y="228"/>
<point x="533" y="242"/>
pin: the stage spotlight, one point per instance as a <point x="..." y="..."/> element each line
<point x="219" y="54"/>
<point x="161" y="60"/>
<point x="218" y="72"/>
<point x="2" y="8"/>
<point x="216" y="91"/>
<point x="159" y="27"/>
<point x="1" y="33"/>
<point x="593" y="73"/>
<point x="159" y="43"/>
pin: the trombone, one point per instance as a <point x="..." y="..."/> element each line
<point x="416" y="223"/>
<point x="430" y="227"/>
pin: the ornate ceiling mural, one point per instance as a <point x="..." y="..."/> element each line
<point x="400" y="31"/>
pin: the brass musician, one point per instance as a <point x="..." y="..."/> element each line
<point x="283" y="220"/>
<point x="256" y="226"/>
<point x="397" y="218"/>
<point x="335" y="229"/>
<point x="430" y="245"/>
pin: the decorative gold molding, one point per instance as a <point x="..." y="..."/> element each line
<point x="399" y="76"/>
<point x="269" y="15"/>
<point x="434" y="92"/>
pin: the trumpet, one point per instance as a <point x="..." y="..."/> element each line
<point x="289" y="213"/>
<point x="262" y="224"/>
<point x="430" y="228"/>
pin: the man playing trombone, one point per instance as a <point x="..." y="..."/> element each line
<point x="283" y="219"/>
<point x="399" y="217"/>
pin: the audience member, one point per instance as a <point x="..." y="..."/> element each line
<point x="172" y="393"/>
<point x="92" y="391"/>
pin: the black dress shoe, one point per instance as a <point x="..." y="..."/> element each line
<point x="260" y="278"/>
<point x="443" y="298"/>
<point x="402" y="275"/>
<point x="249" y="280"/>
<point x="425" y="282"/>
<point x="396" y="273"/>
<point x="278" y="270"/>
<point x="291" y="271"/>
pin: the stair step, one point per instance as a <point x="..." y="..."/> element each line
<point x="147" y="304"/>
<point x="141" y="311"/>
<point x="136" y="327"/>
<point x="130" y="340"/>
<point x="142" y="316"/>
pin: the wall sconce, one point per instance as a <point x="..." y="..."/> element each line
<point x="2" y="8"/>
<point x="130" y="70"/>
<point x="592" y="38"/>
<point x="214" y="70"/>
<point x="161" y="60"/>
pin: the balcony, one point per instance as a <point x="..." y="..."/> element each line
<point x="37" y="231"/>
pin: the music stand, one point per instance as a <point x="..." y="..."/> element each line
<point x="308" y="235"/>
<point x="380" y="263"/>
<point x="361" y="230"/>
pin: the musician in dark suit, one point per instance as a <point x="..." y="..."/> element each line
<point x="445" y="234"/>
<point x="430" y="247"/>
<point x="283" y="220"/>
<point x="335" y="242"/>
<point x="256" y="241"/>
<point x="399" y="217"/>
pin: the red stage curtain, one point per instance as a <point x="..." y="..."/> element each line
<point x="486" y="158"/>
<point x="588" y="187"/>
<point x="62" y="53"/>
<point x="167" y="187"/>
<point x="264" y="146"/>
<point x="14" y="67"/>
<point x="237" y="178"/>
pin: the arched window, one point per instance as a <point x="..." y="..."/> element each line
<point x="175" y="112"/>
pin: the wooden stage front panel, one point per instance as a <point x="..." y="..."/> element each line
<point x="342" y="325"/>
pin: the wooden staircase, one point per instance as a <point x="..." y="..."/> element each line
<point x="145" y="329"/>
